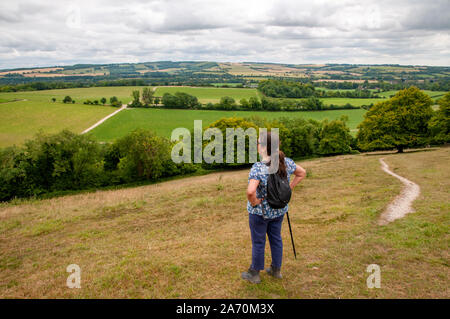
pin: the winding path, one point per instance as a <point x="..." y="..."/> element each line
<point x="401" y="205"/>
<point x="124" y="106"/>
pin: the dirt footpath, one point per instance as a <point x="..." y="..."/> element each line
<point x="401" y="205"/>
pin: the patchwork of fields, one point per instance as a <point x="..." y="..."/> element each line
<point x="22" y="114"/>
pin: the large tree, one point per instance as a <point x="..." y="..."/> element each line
<point x="136" y="99"/>
<point x="440" y="123"/>
<point x="147" y="96"/>
<point x="399" y="122"/>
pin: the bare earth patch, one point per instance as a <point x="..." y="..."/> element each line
<point x="401" y="205"/>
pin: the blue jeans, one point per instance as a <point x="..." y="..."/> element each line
<point x="259" y="227"/>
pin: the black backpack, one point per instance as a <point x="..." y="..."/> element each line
<point x="278" y="191"/>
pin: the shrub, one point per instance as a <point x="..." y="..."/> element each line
<point x="136" y="99"/>
<point x="63" y="161"/>
<point x="227" y="103"/>
<point x="142" y="155"/>
<point x="180" y="100"/>
<point x="49" y="163"/>
<point x="334" y="137"/>
<point x="232" y="122"/>
<point x="439" y="124"/>
<point x="13" y="174"/>
<point x="303" y="136"/>
<point x="115" y="102"/>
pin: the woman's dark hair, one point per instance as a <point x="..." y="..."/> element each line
<point x="266" y="141"/>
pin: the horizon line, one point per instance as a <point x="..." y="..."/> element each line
<point x="253" y="62"/>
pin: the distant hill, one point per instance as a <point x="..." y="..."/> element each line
<point x="226" y="72"/>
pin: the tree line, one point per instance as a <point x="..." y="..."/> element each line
<point x="432" y="85"/>
<point x="113" y="101"/>
<point x="294" y="89"/>
<point x="181" y="100"/>
<point x="157" y="79"/>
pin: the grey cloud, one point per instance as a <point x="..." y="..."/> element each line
<point x="345" y="31"/>
<point x="429" y="15"/>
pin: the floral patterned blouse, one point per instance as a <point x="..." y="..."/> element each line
<point x="260" y="172"/>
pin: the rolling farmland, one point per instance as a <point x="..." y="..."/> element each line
<point x="22" y="114"/>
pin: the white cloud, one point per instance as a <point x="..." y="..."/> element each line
<point x="345" y="31"/>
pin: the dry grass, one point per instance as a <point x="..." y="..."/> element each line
<point x="190" y="238"/>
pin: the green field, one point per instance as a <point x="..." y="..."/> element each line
<point x="163" y="121"/>
<point x="354" y="102"/>
<point x="225" y="83"/>
<point x="435" y="95"/>
<point x="22" y="119"/>
<point x="80" y="95"/>
<point x="3" y="100"/>
<point x="208" y="94"/>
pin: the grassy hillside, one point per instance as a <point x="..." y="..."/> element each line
<point x="190" y="237"/>
<point x="163" y="121"/>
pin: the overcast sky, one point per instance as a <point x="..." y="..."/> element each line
<point x="44" y="33"/>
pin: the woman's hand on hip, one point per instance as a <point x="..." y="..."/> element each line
<point x="257" y="201"/>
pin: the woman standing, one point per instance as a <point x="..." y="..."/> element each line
<point x="262" y="218"/>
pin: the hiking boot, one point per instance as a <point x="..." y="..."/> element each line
<point x="274" y="272"/>
<point x="252" y="276"/>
